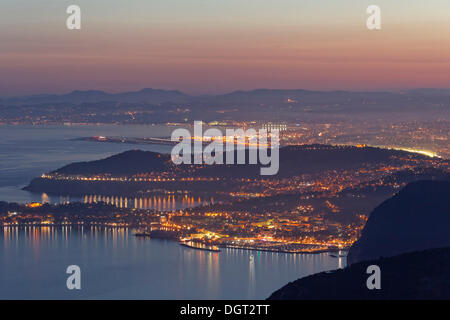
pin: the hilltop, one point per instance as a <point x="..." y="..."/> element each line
<point x="294" y="160"/>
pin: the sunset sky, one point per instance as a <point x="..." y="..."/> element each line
<point x="212" y="46"/>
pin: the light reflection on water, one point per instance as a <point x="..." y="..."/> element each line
<point x="160" y="203"/>
<point x="115" y="264"/>
<point x="156" y="202"/>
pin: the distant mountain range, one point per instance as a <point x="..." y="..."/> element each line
<point x="261" y="105"/>
<point x="257" y="96"/>
<point x="415" y="219"/>
<point x="91" y="96"/>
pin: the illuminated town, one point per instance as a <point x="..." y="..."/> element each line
<point x="310" y="212"/>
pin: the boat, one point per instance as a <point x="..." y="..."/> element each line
<point x="340" y="255"/>
<point x="199" y="246"/>
<point x="142" y="234"/>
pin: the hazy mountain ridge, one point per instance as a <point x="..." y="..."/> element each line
<point x="293" y="160"/>
<point x="267" y="105"/>
<point x="78" y="96"/>
<point x="128" y="162"/>
<point x="250" y="97"/>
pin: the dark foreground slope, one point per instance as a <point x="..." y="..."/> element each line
<point x="417" y="218"/>
<point x="418" y="275"/>
<point x="394" y="238"/>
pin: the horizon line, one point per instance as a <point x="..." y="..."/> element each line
<point x="192" y="94"/>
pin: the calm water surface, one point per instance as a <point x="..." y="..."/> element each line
<point x="28" y="151"/>
<point x="115" y="264"/>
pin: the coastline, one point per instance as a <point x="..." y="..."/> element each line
<point x="225" y="246"/>
<point x="145" y="235"/>
<point x="281" y="251"/>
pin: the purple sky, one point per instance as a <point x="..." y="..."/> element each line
<point x="201" y="46"/>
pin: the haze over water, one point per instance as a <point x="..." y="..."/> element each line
<point x="29" y="151"/>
